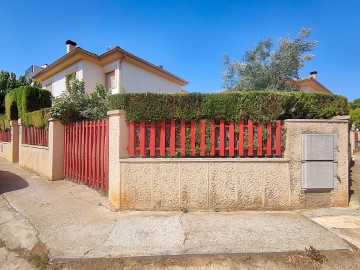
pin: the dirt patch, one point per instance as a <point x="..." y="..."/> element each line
<point x="299" y="260"/>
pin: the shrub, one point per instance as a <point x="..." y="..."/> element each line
<point x="256" y="105"/>
<point x="76" y="105"/>
<point x="38" y="119"/>
<point x="26" y="99"/>
<point x="4" y="123"/>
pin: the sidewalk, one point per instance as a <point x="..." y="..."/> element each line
<point x="74" y="222"/>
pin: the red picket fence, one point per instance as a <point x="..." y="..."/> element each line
<point x="86" y="155"/>
<point x="5" y="135"/>
<point x="205" y="138"/>
<point x="35" y="136"/>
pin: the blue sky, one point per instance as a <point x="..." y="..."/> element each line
<point x="189" y="38"/>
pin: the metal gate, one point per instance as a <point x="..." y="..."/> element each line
<point x="86" y="155"/>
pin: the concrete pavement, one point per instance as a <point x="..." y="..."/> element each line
<point x="74" y="222"/>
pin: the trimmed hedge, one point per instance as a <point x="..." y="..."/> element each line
<point x="4" y="122"/>
<point x="256" y="105"/>
<point x="25" y="99"/>
<point x="38" y="119"/>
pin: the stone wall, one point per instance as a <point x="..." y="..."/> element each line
<point x="10" y="150"/>
<point x="204" y="184"/>
<point x="339" y="196"/>
<point x="47" y="161"/>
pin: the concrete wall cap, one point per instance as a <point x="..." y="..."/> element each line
<point x="53" y="119"/>
<point x="116" y="112"/>
<point x="316" y="121"/>
<point x="342" y="117"/>
<point x="202" y="160"/>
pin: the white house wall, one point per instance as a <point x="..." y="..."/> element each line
<point x="92" y="75"/>
<point x="113" y="66"/>
<point x="58" y="80"/>
<point x="135" y="79"/>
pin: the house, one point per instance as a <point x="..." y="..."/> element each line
<point x="117" y="69"/>
<point x="311" y="84"/>
<point x="33" y="70"/>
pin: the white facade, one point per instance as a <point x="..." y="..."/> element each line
<point x="135" y="79"/>
<point x="127" y="77"/>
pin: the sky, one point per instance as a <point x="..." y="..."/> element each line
<point x="189" y="38"/>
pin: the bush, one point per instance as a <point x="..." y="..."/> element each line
<point x="256" y="105"/>
<point x="38" y="119"/>
<point x="26" y="99"/>
<point x="76" y="105"/>
<point x="4" y="123"/>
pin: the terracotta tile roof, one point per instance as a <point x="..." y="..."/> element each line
<point x="79" y="50"/>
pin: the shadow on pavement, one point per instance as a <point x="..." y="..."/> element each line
<point x="11" y="182"/>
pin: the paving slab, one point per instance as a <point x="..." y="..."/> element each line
<point x="74" y="222"/>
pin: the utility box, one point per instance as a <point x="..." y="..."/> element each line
<point x="319" y="161"/>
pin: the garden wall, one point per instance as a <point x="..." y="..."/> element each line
<point x="10" y="150"/>
<point x="45" y="160"/>
<point x="223" y="183"/>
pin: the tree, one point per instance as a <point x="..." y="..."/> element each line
<point x="354" y="111"/>
<point x="8" y="81"/>
<point x="264" y="69"/>
<point x="75" y="104"/>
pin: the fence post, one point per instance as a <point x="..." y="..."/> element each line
<point x="118" y="143"/>
<point x="14" y="127"/>
<point x="56" y="146"/>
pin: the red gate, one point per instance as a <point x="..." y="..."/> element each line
<point x="86" y="155"/>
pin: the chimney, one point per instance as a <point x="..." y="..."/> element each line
<point x="70" y="45"/>
<point x="313" y="74"/>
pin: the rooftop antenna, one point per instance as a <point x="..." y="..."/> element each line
<point x="108" y="48"/>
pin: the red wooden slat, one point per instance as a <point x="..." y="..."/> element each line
<point x="107" y="155"/>
<point x="65" y="150"/>
<point x="78" y="157"/>
<point x="278" y="138"/>
<point x="132" y="139"/>
<point x="212" y="151"/>
<point x="152" y="139"/>
<point x="222" y="138"/>
<point x="83" y="151"/>
<point x="162" y="138"/>
<point x="250" y="138"/>
<point x="269" y="140"/>
<point x="172" y="138"/>
<point x="192" y="137"/>
<point x="86" y="158"/>
<point x="98" y="153"/>
<point x="72" y="150"/>
<point x="102" y="161"/>
<point x="142" y="139"/>
<point x="259" y="140"/>
<point x="231" y="139"/>
<point x="202" y="142"/>
<point x="183" y="138"/>
<point x="241" y="139"/>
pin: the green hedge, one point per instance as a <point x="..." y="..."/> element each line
<point x="256" y="105"/>
<point x="25" y="99"/>
<point x="4" y="122"/>
<point x="37" y="119"/>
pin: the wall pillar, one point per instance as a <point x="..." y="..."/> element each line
<point x="14" y="141"/>
<point x="56" y="147"/>
<point x="118" y="143"/>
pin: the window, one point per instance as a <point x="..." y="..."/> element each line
<point x="68" y="78"/>
<point x="49" y="87"/>
<point x="110" y="80"/>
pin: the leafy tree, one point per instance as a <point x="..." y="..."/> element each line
<point x="8" y="81"/>
<point x="75" y="104"/>
<point x="354" y="111"/>
<point x="264" y="69"/>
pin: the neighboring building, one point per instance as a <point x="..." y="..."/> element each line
<point x="33" y="70"/>
<point x="117" y="69"/>
<point x="311" y="84"/>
